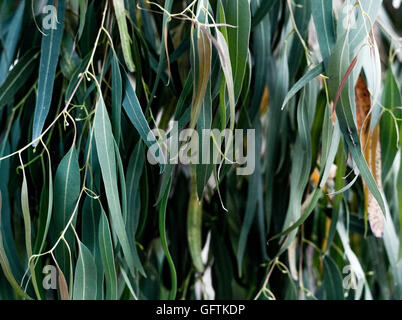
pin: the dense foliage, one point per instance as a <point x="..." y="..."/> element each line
<point x="83" y="83"/>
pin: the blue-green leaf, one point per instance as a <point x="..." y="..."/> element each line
<point x="324" y="24"/>
<point x="107" y="160"/>
<point x="10" y="42"/>
<point x="85" y="284"/>
<point x="66" y="191"/>
<point x="134" y="112"/>
<point x="116" y="98"/>
<point x="237" y="14"/>
<point x="17" y="77"/>
<point x="50" y="50"/>
<point x="106" y="249"/>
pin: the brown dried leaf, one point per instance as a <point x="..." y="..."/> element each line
<point x="372" y="153"/>
<point x="63" y="288"/>
<point x="362" y="98"/>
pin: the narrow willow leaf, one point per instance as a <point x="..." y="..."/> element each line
<point x="224" y="57"/>
<point x="17" y="77"/>
<point x="388" y="126"/>
<point x="107" y="160"/>
<point x="237" y="14"/>
<point x="83" y="12"/>
<point x="116" y="98"/>
<point x="120" y="12"/>
<point x="203" y="70"/>
<point x="203" y="171"/>
<point x="106" y="249"/>
<point x="63" y="287"/>
<point x="41" y="237"/>
<point x="194" y="227"/>
<point x="50" y="49"/>
<point x="9" y="44"/>
<point x="324" y="24"/>
<point x="310" y="75"/>
<point x="26" y="214"/>
<point x="162" y="232"/>
<point x="5" y="265"/>
<point x="134" y="172"/>
<point x="134" y="112"/>
<point x="67" y="186"/>
<point x="122" y="179"/>
<point x="85" y="277"/>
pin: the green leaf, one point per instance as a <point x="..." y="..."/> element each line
<point x="134" y="172"/>
<point x="44" y="222"/>
<point x="50" y="49"/>
<point x="308" y="76"/>
<point x="116" y="98"/>
<point x="107" y="160"/>
<point x="162" y="232"/>
<point x="106" y="249"/>
<point x="324" y="24"/>
<point x="26" y="213"/>
<point x="9" y="44"/>
<point x="203" y="171"/>
<point x="194" y="227"/>
<point x="83" y="12"/>
<point x="85" y="277"/>
<point x="17" y="77"/>
<point x="237" y="14"/>
<point x="134" y="112"/>
<point x="388" y="125"/>
<point x="67" y="186"/>
<point x="120" y="12"/>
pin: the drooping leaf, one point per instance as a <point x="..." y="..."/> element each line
<point x="120" y="12"/>
<point x="50" y="49"/>
<point x="85" y="277"/>
<point x="134" y="112"/>
<point x="238" y="15"/>
<point x="106" y="248"/>
<point x="107" y="160"/>
<point x="194" y="227"/>
<point x="67" y="187"/>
